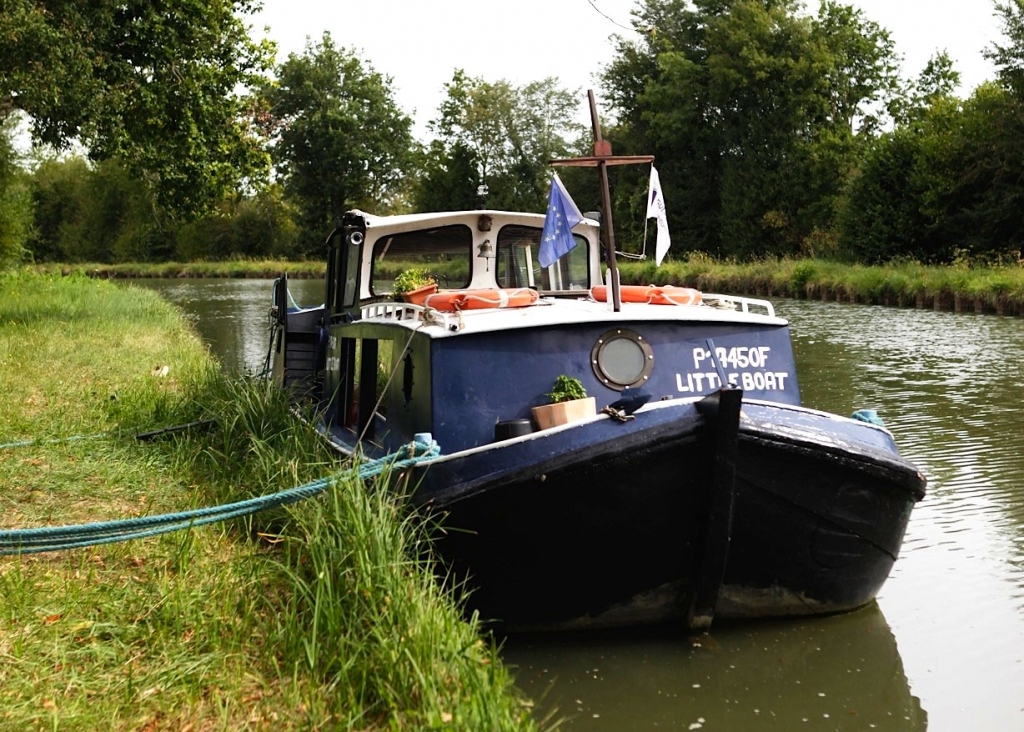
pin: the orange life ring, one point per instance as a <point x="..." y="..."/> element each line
<point x="652" y="294"/>
<point x="453" y="300"/>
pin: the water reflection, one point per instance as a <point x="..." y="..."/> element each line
<point x="839" y="673"/>
<point x="949" y="386"/>
<point x="232" y="315"/>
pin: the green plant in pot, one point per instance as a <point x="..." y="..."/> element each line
<point x="569" y="403"/>
<point x="566" y="388"/>
<point x="414" y="285"/>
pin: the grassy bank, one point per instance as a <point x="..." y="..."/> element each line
<point x="322" y="616"/>
<point x="233" y="268"/>
<point x="979" y="288"/>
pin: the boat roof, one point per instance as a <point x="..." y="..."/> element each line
<point x="410" y="222"/>
<point x="553" y="308"/>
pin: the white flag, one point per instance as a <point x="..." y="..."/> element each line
<point x="656" y="209"/>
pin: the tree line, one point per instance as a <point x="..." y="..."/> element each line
<point x="166" y="132"/>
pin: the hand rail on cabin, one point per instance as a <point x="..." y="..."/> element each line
<point x="430" y="316"/>
<point x="734" y="301"/>
<point x="404" y="311"/>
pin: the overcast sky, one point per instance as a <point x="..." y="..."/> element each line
<point x="420" y="43"/>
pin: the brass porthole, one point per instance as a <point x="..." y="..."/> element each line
<point x="622" y="359"/>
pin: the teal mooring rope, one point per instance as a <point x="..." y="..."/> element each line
<point x="54" y="538"/>
<point x="51" y="441"/>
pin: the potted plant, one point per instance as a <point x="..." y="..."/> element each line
<point x="569" y="403"/>
<point x="414" y="285"/>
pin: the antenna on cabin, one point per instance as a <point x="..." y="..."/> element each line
<point x="601" y="159"/>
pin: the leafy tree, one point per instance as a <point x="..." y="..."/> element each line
<point x="58" y="199"/>
<point x="754" y="113"/>
<point x="938" y="80"/>
<point x="946" y="185"/>
<point x="659" y="86"/>
<point x="266" y="225"/>
<point x="882" y="216"/>
<point x="499" y="135"/>
<point x="861" y="68"/>
<point x="339" y="138"/>
<point x="258" y="226"/>
<point x="449" y="179"/>
<point x="94" y="213"/>
<point x="977" y="159"/>
<point x="1009" y="56"/>
<point x="159" y="86"/>
<point x="895" y="203"/>
<point x="97" y="212"/>
<point x="15" y="200"/>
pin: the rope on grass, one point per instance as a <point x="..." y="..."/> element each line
<point x="50" y="441"/>
<point x="54" y="538"/>
<point x="140" y="436"/>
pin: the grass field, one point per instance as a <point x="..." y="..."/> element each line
<point x="324" y="615"/>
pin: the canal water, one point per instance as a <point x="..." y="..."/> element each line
<point x="943" y="647"/>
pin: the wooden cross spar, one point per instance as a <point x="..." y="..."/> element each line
<point x="601" y="159"/>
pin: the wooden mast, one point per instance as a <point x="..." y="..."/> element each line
<point x="601" y="159"/>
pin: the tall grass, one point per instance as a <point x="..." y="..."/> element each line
<point x="358" y="608"/>
<point x="324" y="615"/>
<point x="368" y="619"/>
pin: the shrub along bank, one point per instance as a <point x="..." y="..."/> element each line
<point x="320" y="616"/>
<point x="995" y="289"/>
<point x="230" y="268"/>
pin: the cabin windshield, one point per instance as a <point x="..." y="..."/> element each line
<point x="444" y="252"/>
<point x="518" y="266"/>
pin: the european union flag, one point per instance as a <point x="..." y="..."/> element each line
<point x="556" y="238"/>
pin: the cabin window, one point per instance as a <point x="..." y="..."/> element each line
<point x="517" y="263"/>
<point x="343" y="269"/>
<point x="444" y="251"/>
<point x="350" y="290"/>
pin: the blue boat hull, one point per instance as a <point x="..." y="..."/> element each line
<point x="606" y="524"/>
